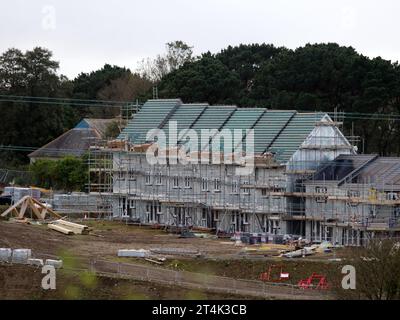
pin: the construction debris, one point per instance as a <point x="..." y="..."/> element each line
<point x="68" y="228"/>
<point x="141" y="253"/>
<point x="267" y="249"/>
<point x="27" y="204"/>
<point x="35" y="262"/>
<point x="306" y="251"/>
<point x="176" y="251"/>
<point x="205" y="235"/>
<point x="58" y="264"/>
<point x="325" y="247"/>
<point x="153" y="261"/>
<point x="187" y="234"/>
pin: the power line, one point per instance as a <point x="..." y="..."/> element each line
<point x="116" y="103"/>
<point x="64" y="101"/>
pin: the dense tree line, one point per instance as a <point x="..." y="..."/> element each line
<point x="68" y="174"/>
<point x="33" y="74"/>
<point x="321" y="77"/>
<point x="314" y="77"/>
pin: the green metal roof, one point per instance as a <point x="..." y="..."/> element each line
<point x="214" y="117"/>
<point x="278" y="131"/>
<point x="152" y="115"/>
<point x="244" y="119"/>
<point x="268" y="128"/>
<point x="293" y="135"/>
<point x="185" y="116"/>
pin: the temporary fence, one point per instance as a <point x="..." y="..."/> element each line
<point x="192" y="280"/>
<point x="203" y="281"/>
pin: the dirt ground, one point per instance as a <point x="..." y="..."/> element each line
<point x="24" y="283"/>
<point x="108" y="238"/>
<point x="219" y="256"/>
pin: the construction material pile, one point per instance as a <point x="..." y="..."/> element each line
<point x="267" y="249"/>
<point x="324" y="247"/>
<point x="24" y="256"/>
<point x="142" y="253"/>
<point x="68" y="228"/>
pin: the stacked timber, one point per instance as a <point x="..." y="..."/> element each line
<point x="68" y="228"/>
<point x="116" y="144"/>
<point x="59" y="229"/>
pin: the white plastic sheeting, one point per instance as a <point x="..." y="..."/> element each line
<point x="55" y="263"/>
<point x="141" y="253"/>
<point x="5" y="254"/>
<point x="35" y="262"/>
<point x="21" y="255"/>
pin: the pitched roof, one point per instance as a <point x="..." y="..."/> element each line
<point x="76" y="141"/>
<point x="341" y="167"/>
<point x="185" y="115"/>
<point x="297" y="129"/>
<point x="278" y="131"/>
<point x="152" y="115"/>
<point x="381" y="172"/>
<point x="100" y="125"/>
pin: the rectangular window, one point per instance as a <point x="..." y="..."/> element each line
<point x="323" y="191"/>
<point x="132" y="176"/>
<point x="175" y="182"/>
<point x="204" y="184"/>
<point x="148" y="178"/>
<point x="147" y="208"/>
<point x="217" y="185"/>
<point x="246" y="190"/>
<point x="159" y="178"/>
<point x="391" y="196"/>
<point x="234" y="187"/>
<point x="264" y="193"/>
<point x="159" y="209"/>
<point x="188" y="184"/>
<point x="204" y="214"/>
<point x="353" y="193"/>
<point x="320" y="190"/>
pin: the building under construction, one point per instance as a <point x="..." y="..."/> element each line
<point x="291" y="190"/>
<point x="351" y="199"/>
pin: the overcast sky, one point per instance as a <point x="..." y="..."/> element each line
<point x="85" y="34"/>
